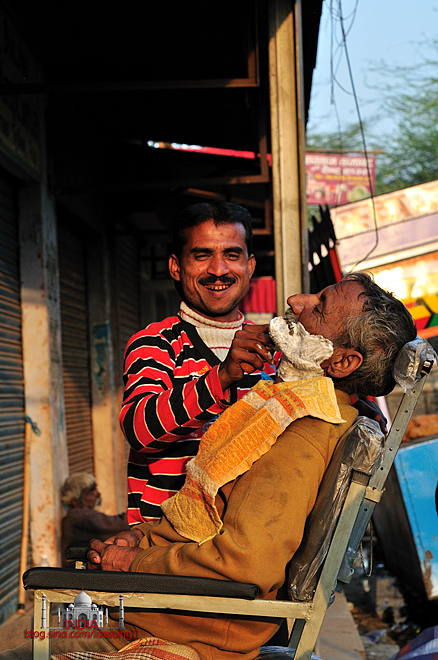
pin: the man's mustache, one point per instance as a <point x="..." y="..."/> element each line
<point x="223" y="279"/>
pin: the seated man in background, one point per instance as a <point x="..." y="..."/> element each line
<point x="80" y="495"/>
<point x="262" y="512"/>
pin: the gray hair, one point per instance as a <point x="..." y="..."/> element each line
<point x="378" y="334"/>
<point x="74" y="485"/>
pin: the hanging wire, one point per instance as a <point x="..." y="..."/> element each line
<point x="332" y="91"/>
<point x="339" y="47"/>
<point x="343" y="45"/>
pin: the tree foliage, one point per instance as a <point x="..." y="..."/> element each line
<point x="410" y="96"/>
<point x="349" y="139"/>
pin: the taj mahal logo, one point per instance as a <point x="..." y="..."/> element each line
<point x="81" y="614"/>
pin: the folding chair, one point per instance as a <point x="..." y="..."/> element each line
<point x="347" y="496"/>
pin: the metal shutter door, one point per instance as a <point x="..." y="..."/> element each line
<point x="75" y="351"/>
<point x="11" y="407"/>
<point x="128" y="289"/>
<point x="128" y="299"/>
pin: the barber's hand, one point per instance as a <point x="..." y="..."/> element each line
<point x="131" y="538"/>
<point x="371" y="409"/>
<point x="109" y="557"/>
<point x="250" y="349"/>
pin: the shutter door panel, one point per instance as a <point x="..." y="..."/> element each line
<point x="75" y="351"/>
<point x="128" y="288"/>
<point x="128" y="298"/>
<point x="11" y="407"/>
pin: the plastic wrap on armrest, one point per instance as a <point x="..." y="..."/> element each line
<point x="361" y="449"/>
<point x="409" y="363"/>
<point x="76" y="552"/>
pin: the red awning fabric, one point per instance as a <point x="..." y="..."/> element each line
<point x="261" y="296"/>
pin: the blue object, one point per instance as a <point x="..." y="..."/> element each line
<point x="265" y="376"/>
<point x="423" y="647"/>
<point x="416" y="465"/>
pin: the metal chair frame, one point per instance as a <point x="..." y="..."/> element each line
<point x="363" y="494"/>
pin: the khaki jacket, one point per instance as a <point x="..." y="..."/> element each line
<point x="264" y="516"/>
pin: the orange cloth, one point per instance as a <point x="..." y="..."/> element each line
<point x="145" y="648"/>
<point x="240" y="436"/>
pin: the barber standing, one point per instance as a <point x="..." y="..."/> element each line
<point x="182" y="372"/>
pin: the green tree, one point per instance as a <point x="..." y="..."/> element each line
<point x="410" y="96"/>
<point x="349" y="139"/>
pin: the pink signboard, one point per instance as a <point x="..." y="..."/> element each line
<point x="336" y="179"/>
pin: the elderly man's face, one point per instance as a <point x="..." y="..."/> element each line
<point x="324" y="313"/>
<point x="90" y="497"/>
<point x="214" y="269"/>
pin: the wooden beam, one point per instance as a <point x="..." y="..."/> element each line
<point x="287" y="137"/>
<point x="124" y="86"/>
<point x="159" y="185"/>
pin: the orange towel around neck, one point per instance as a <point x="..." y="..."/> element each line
<point x="240" y="436"/>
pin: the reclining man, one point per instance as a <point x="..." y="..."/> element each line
<point x="263" y="511"/>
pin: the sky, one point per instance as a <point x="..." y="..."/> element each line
<point x="382" y="30"/>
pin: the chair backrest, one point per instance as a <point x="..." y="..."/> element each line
<point x="363" y="449"/>
<point x="411" y="369"/>
<point x="360" y="449"/>
<point x="352" y="484"/>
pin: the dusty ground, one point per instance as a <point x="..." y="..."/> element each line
<point x="379" y="651"/>
<point x="386" y="618"/>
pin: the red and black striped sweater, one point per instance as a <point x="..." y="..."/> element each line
<point x="172" y="394"/>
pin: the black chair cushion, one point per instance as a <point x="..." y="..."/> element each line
<point x="119" y="582"/>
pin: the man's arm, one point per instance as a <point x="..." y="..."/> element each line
<point x="264" y="520"/>
<point x="250" y="349"/>
<point x="111" y="557"/>
<point x="96" y="523"/>
<point x="117" y="558"/>
<point x="156" y="410"/>
<point x="130" y="538"/>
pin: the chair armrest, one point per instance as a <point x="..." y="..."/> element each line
<point x="77" y="552"/>
<point x="120" y="582"/>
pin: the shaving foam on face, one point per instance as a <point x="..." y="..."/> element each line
<point x="302" y="353"/>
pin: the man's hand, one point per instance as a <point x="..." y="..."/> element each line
<point x="250" y="349"/>
<point x="371" y="409"/>
<point x="131" y="538"/>
<point x="110" y="557"/>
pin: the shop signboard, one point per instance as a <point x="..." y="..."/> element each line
<point x="415" y="282"/>
<point x="337" y="179"/>
<point x="397" y="240"/>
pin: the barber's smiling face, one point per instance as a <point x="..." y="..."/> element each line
<point x="324" y="313"/>
<point x="214" y="269"/>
